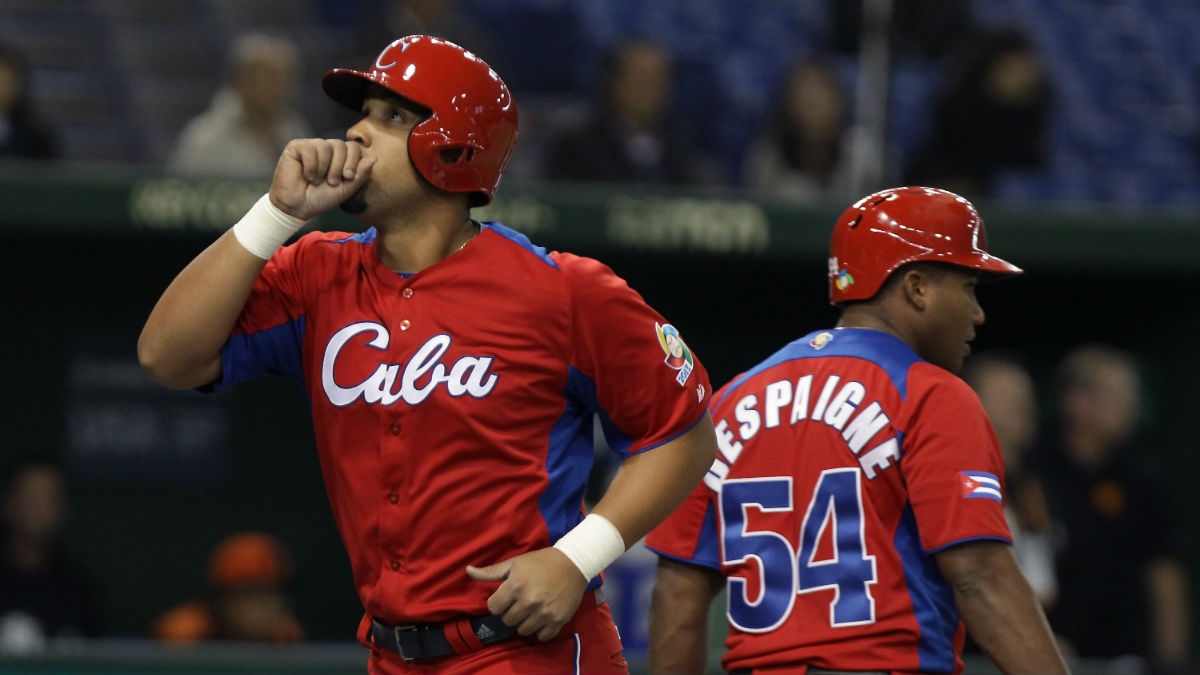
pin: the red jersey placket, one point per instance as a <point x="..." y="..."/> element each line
<point x="394" y="451"/>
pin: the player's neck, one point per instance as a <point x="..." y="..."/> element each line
<point x="411" y="246"/>
<point x="891" y="314"/>
<point x="869" y="316"/>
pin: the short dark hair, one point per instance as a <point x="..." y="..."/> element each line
<point x="929" y="268"/>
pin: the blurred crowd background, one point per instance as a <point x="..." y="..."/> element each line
<point x="1017" y="99"/>
<point x="1016" y="104"/>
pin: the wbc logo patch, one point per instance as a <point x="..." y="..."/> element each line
<point x="980" y="485"/>
<point x="679" y="356"/>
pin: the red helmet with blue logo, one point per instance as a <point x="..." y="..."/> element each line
<point x="465" y="142"/>
<point x="889" y="228"/>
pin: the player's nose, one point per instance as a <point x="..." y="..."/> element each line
<point x="359" y="133"/>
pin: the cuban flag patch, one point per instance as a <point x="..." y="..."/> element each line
<point x="980" y="484"/>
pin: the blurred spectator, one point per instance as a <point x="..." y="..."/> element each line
<point x="922" y="29"/>
<point x="1007" y="392"/>
<point x="44" y="594"/>
<point x="631" y="135"/>
<point x="800" y="154"/>
<point x="22" y="135"/>
<point x="1123" y="588"/>
<point x="250" y="119"/>
<point x="991" y="114"/>
<point x="248" y="580"/>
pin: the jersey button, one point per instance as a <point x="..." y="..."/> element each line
<point x="393" y="497"/>
<point x="407" y="293"/>
<point x="395" y="429"/>
<point x="395" y="565"/>
<point x="405" y="324"/>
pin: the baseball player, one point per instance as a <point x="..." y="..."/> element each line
<point x="454" y="370"/>
<point x="855" y="510"/>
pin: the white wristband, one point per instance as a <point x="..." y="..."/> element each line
<point x="264" y="228"/>
<point x="592" y="545"/>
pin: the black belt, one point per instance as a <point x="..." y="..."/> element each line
<point x="420" y="641"/>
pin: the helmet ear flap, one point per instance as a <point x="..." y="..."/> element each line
<point x="442" y="161"/>
<point x="456" y="154"/>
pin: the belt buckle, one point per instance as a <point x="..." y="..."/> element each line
<point x="416" y="630"/>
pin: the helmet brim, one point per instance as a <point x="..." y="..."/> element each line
<point x="995" y="267"/>
<point x="347" y="86"/>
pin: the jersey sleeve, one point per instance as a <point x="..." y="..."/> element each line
<point x="628" y="363"/>
<point x="690" y="533"/>
<point x="952" y="464"/>
<point x="269" y="334"/>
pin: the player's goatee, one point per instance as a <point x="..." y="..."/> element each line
<point x="355" y="203"/>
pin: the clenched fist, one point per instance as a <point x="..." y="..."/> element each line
<point x="540" y="591"/>
<point x="316" y="174"/>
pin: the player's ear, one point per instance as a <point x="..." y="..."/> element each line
<point x="915" y="286"/>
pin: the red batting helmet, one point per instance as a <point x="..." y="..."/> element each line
<point x="465" y="143"/>
<point x="887" y="229"/>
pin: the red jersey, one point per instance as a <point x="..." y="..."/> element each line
<point x="845" y="462"/>
<point x="454" y="407"/>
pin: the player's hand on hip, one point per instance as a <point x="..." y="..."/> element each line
<point x="540" y="593"/>
<point x="316" y="174"/>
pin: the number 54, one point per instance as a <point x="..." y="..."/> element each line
<point x="837" y="504"/>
